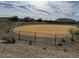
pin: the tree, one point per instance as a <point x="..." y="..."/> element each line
<point x="14" y="19"/>
<point x="28" y="19"/>
<point x="50" y="21"/>
<point x="10" y="22"/>
<point x="39" y="20"/>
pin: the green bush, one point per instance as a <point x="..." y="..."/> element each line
<point x="8" y="39"/>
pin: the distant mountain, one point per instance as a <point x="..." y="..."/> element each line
<point x="65" y="20"/>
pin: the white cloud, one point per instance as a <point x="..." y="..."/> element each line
<point x="55" y="9"/>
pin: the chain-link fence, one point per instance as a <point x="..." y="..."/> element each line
<point x="41" y="38"/>
<point x="34" y="38"/>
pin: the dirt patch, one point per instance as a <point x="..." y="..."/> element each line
<point x="43" y="30"/>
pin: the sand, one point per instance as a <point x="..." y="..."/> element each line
<point x="43" y="30"/>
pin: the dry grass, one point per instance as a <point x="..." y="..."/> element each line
<point x="46" y="28"/>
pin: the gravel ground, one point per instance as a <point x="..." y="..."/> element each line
<point x="22" y="49"/>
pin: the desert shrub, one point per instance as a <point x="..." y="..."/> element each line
<point x="44" y="48"/>
<point x="76" y="32"/>
<point x="72" y="40"/>
<point x="59" y="44"/>
<point x="8" y="39"/>
<point x="76" y="36"/>
<point x="63" y="41"/>
<point x="30" y="42"/>
<point x="73" y="31"/>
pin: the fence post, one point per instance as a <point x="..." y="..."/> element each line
<point x="72" y="39"/>
<point x="6" y="32"/>
<point x="35" y="37"/>
<point x="55" y="39"/>
<point x="72" y="35"/>
<point x="19" y="35"/>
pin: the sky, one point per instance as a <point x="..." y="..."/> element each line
<point x="47" y="10"/>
